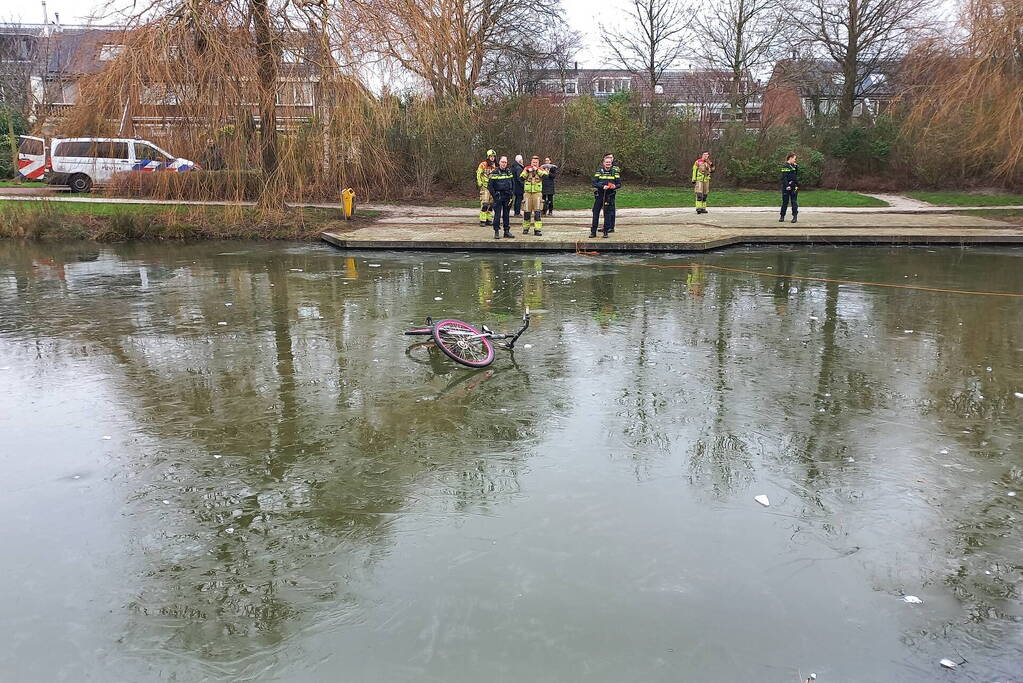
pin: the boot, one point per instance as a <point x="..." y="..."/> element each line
<point x="593" y="232"/>
<point x="537" y="232"/>
<point x="497" y="234"/>
<point x="782" y="219"/>
<point x="793" y="218"/>
<point x="525" y="223"/>
<point x="507" y="234"/>
<point x="603" y="233"/>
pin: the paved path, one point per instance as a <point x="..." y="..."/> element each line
<point x="640" y="230"/>
<point x="897" y="204"/>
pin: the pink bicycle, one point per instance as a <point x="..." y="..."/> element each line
<point x="465" y="344"/>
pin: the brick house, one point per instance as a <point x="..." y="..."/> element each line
<point x="704" y="92"/>
<point x="811" y="89"/>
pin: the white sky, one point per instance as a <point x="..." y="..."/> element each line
<point x="580" y="15"/>
<point x="584" y="16"/>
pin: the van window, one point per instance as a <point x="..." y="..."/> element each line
<point x="30" y="146"/>
<point x="144" y="152"/>
<point x="74" y="149"/>
<point x="112" y="150"/>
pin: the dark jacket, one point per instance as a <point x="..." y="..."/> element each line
<point x="502" y="183"/>
<point x="602" y="178"/>
<point x="789" y="176"/>
<point x="517" y="169"/>
<point x="548" y="180"/>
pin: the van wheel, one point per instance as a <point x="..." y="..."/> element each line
<point x="79" y="182"/>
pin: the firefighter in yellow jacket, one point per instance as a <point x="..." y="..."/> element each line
<point x="702" y="168"/>
<point x="532" y="178"/>
<point x="483" y="172"/>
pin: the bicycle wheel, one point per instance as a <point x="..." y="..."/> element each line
<point x="463" y="343"/>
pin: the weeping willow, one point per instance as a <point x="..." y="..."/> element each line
<point x="966" y="107"/>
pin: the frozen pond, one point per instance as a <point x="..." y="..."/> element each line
<point x="219" y="461"/>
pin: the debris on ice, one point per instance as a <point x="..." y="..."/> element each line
<point x="443" y="270"/>
<point x="763" y="500"/>
<point x="222" y="323"/>
<point x="438" y="298"/>
<point x="912" y="599"/>
<point x="948" y="663"/>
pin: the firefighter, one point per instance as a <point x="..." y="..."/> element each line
<point x="502" y="188"/>
<point x="606" y="181"/>
<point x="702" y="168"/>
<point x="548" y="186"/>
<point x="533" y="177"/>
<point x="789" y="187"/>
<point x="483" y="172"/>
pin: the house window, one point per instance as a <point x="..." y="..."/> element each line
<point x="609" y="86"/>
<point x="290" y="56"/>
<point x="67" y="93"/>
<point x="556" y="85"/>
<point x="108" y="53"/>
<point x="295" y="94"/>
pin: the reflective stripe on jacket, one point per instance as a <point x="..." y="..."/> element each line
<point x="533" y="180"/>
<point x="603" y="177"/>
<point x="789" y="176"/>
<point x="702" y="171"/>
<point x="483" y="172"/>
<point x="502" y="182"/>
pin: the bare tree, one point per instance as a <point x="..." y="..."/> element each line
<point x="528" y="66"/>
<point x="652" y="37"/>
<point x="458" y="47"/>
<point x="743" y="37"/>
<point x="860" y="36"/>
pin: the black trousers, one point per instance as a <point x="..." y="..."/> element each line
<point x="502" y="207"/>
<point x="548" y="202"/>
<point x="518" y="200"/>
<point x="789" y="196"/>
<point x="604" y="200"/>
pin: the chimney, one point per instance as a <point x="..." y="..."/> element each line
<point x="576" y="66"/>
<point x="56" y="18"/>
<point x="46" y="21"/>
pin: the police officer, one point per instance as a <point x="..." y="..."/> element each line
<point x="789" y="187"/>
<point x="483" y="172"/>
<point x="502" y="188"/>
<point x="606" y="182"/>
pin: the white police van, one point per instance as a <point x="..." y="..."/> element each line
<point x="80" y="163"/>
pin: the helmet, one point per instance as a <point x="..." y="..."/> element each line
<point x="491" y="153"/>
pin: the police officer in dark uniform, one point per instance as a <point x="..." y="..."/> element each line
<point x="789" y="187"/>
<point x="606" y="182"/>
<point x="502" y="189"/>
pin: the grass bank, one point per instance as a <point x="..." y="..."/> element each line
<point x="967" y="198"/>
<point x="11" y="182"/>
<point x="670" y="197"/>
<point x="55" y="219"/>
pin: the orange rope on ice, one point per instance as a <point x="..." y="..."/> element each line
<point x="921" y="288"/>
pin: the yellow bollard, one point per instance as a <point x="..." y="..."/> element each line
<point x="348" y="202"/>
